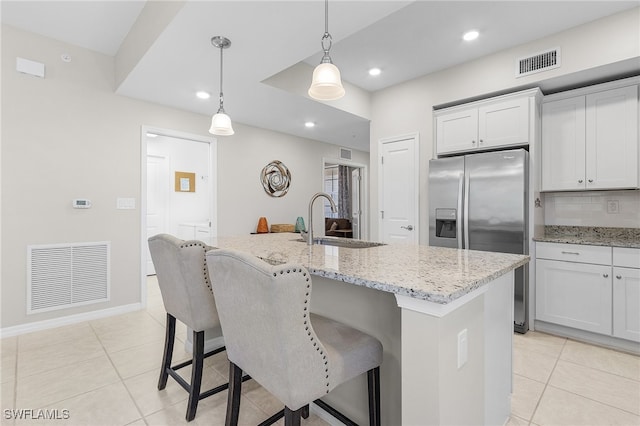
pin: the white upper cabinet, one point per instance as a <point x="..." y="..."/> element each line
<point x="504" y="123"/>
<point x="497" y="122"/>
<point x="590" y="142"/>
<point x="563" y="148"/>
<point x="612" y="139"/>
<point x="457" y="131"/>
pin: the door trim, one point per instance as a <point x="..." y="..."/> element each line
<point x="416" y="179"/>
<point x="213" y="176"/>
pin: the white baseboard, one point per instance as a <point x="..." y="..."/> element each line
<point x="588" y="337"/>
<point x="68" y="320"/>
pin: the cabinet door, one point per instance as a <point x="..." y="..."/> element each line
<point x="504" y="123"/>
<point x="574" y="294"/>
<point x="563" y="144"/>
<point x="612" y="139"/>
<point x="626" y="303"/>
<point x="457" y="131"/>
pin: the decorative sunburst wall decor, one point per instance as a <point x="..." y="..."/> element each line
<point x="276" y="179"/>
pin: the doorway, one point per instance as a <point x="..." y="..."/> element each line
<point x="178" y="189"/>
<point x="346" y="183"/>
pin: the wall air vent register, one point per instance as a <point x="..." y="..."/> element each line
<point x="542" y="61"/>
<point x="345" y="154"/>
<point x="66" y="275"/>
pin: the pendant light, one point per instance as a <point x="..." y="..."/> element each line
<point x="220" y="122"/>
<point x="326" y="84"/>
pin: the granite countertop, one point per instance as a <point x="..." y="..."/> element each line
<point x="597" y="236"/>
<point x="435" y="274"/>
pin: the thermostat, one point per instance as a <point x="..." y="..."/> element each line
<point x="81" y="203"/>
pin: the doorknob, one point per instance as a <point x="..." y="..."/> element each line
<point x="408" y="228"/>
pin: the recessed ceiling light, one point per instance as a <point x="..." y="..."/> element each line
<point x="375" y="71"/>
<point x="470" y="35"/>
<point x="309" y="124"/>
<point x="203" y="95"/>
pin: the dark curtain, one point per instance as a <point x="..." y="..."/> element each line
<point x="344" y="192"/>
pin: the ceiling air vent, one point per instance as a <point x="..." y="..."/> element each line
<point x="543" y="61"/>
<point x="345" y="154"/>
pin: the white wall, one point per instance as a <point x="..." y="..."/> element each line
<point x="407" y="108"/>
<point x="242" y="200"/>
<point x="69" y="136"/>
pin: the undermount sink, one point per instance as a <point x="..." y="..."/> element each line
<point x="343" y="242"/>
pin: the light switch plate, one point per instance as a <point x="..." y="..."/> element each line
<point x="613" y="206"/>
<point x="126" y="203"/>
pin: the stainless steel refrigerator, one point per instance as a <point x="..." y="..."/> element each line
<point x="479" y="202"/>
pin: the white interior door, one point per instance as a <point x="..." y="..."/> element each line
<point x="157" y="182"/>
<point x="398" y="195"/>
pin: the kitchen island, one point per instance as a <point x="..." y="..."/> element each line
<point x="444" y="317"/>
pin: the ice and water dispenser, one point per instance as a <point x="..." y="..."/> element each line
<point x="446" y="223"/>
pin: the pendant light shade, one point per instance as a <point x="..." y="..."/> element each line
<point x="326" y="84"/>
<point x="221" y="122"/>
<point x="221" y="125"/>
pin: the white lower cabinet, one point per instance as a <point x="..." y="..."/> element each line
<point x="574" y="294"/>
<point x="592" y="288"/>
<point x="626" y="293"/>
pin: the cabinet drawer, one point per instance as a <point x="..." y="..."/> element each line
<point x="627" y="257"/>
<point x="574" y="253"/>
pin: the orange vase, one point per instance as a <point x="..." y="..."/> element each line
<point x="263" y="228"/>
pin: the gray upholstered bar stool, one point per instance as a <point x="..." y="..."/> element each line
<point x="183" y="277"/>
<point x="270" y="334"/>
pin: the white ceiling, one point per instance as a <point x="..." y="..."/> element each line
<point x="405" y="39"/>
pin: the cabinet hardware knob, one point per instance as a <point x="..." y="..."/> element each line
<point x="605" y="275"/>
<point x="580" y="181"/>
<point x="481" y="141"/>
<point x="473" y="142"/>
<point x="590" y="180"/>
<point x="619" y="277"/>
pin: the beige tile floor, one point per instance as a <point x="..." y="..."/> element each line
<point x="104" y="372"/>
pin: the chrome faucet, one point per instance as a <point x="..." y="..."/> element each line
<point x="333" y="209"/>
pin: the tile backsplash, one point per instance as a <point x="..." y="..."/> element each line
<point x="593" y="208"/>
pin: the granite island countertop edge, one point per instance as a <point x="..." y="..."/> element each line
<point x="434" y="274"/>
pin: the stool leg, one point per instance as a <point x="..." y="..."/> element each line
<point x="292" y="418"/>
<point x="373" y="380"/>
<point x="196" y="374"/>
<point x="233" y="399"/>
<point x="170" y="334"/>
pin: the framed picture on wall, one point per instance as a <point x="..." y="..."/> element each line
<point x="185" y="182"/>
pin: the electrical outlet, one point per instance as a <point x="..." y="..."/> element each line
<point x="463" y="348"/>
<point x="613" y="206"/>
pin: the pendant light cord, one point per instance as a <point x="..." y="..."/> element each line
<point x="221" y="109"/>
<point x="326" y="17"/>
<point x="326" y="36"/>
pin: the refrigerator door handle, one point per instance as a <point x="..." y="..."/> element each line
<point x="466" y="211"/>
<point x="459" y="214"/>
